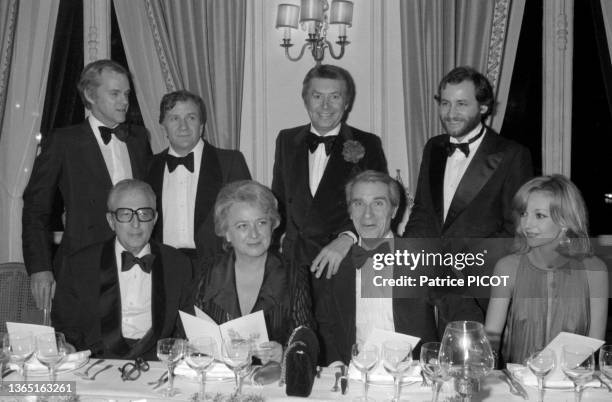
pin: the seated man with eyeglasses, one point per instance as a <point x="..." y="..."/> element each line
<point x="117" y="298"/>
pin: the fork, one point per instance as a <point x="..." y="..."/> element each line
<point x="86" y="372"/>
<point x="511" y="388"/>
<point x="335" y="387"/>
<point x="160" y="380"/>
<point x="93" y="376"/>
<point x="424" y="383"/>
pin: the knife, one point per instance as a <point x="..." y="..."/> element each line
<point x="517" y="385"/>
<point x="7" y="372"/>
<point x="343" y="380"/>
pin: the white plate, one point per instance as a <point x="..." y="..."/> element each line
<point x="218" y="373"/>
<point x="36" y="369"/>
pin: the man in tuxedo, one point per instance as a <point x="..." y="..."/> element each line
<point x="118" y="297"/>
<point x="187" y="177"/>
<point x="348" y="306"/>
<point x="83" y="162"/>
<point x="467" y="180"/>
<point x="311" y="166"/>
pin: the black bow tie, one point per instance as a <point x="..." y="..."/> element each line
<point x="128" y="261"/>
<point x="360" y="255"/>
<point x="464" y="147"/>
<point x="120" y="132"/>
<point x="174" y="161"/>
<point x="313" y="141"/>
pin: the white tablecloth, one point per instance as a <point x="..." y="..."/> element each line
<point x="108" y="386"/>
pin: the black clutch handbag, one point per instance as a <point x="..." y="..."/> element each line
<point x="299" y="366"/>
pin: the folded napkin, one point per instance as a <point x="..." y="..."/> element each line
<point x="379" y="375"/>
<point x="524" y="375"/>
<point x="218" y="371"/>
<point x="71" y="362"/>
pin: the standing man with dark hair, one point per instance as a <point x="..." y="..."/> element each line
<point x="83" y="161"/>
<point x="312" y="164"/>
<point x="187" y="177"/>
<point x="467" y="180"/>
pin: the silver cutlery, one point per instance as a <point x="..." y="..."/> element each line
<point x="344" y="380"/>
<point x="335" y="387"/>
<point x="424" y="383"/>
<point x="7" y="372"/>
<point x="514" y="386"/>
<point x="160" y="380"/>
<point x="93" y="376"/>
<point x="603" y="382"/>
<point x="86" y="372"/>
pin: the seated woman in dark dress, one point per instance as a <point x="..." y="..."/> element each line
<point x="249" y="278"/>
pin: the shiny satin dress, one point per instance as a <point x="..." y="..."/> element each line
<point x="544" y="303"/>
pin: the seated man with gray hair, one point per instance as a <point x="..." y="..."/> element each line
<point x="348" y="312"/>
<point x="118" y="297"/>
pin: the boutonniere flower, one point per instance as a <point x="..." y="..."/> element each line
<point x="353" y="151"/>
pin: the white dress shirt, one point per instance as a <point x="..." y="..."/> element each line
<point x="456" y="165"/>
<point x="178" y="200"/>
<point x="135" y="288"/>
<point x="115" y="153"/>
<point x="317" y="160"/>
<point x="373" y="312"/>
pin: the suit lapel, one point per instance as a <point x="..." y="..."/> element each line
<point x="343" y="295"/>
<point x="92" y="154"/>
<point x="300" y="171"/>
<point x="437" y="166"/>
<point x="210" y="182"/>
<point x="156" y="180"/>
<point x="481" y="168"/>
<point x="136" y="162"/>
<point x="337" y="170"/>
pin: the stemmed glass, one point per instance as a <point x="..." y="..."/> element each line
<point x="170" y="351"/>
<point x="466" y="355"/>
<point x="396" y="359"/>
<point x="50" y="351"/>
<point x="20" y="347"/>
<point x="4" y="356"/>
<point x="541" y="363"/>
<point x="605" y="361"/>
<point x="364" y="358"/>
<point x="430" y="364"/>
<point x="200" y="355"/>
<point x="237" y="356"/>
<point x="578" y="364"/>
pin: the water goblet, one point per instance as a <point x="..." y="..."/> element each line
<point x="578" y="364"/>
<point x="21" y="348"/>
<point x="396" y="359"/>
<point x="430" y="364"/>
<point x="605" y="361"/>
<point x="541" y="363"/>
<point x="170" y="351"/>
<point x="237" y="356"/>
<point x="200" y="355"/>
<point x="50" y="351"/>
<point x="364" y="357"/>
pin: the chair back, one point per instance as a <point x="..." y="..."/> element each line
<point x="16" y="301"/>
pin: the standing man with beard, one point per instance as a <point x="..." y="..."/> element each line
<point x="466" y="183"/>
<point x="82" y="161"/>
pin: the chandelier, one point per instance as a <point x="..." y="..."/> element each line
<point x="315" y="18"/>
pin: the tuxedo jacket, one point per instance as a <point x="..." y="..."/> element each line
<point x="335" y="308"/>
<point x="481" y="209"/>
<point x="87" y="303"/>
<point x="311" y="222"/>
<point x="72" y="161"/>
<point x="218" y="167"/>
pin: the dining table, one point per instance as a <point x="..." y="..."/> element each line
<point x="108" y="386"/>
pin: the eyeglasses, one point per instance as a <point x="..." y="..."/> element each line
<point x="125" y="215"/>
<point x="131" y="371"/>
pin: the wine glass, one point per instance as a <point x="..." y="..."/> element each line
<point x="4" y="356"/>
<point x="605" y="361"/>
<point x="50" y="351"/>
<point x="170" y="351"/>
<point x="541" y="363"/>
<point x="237" y="356"/>
<point x="396" y="359"/>
<point x="466" y="355"/>
<point x="364" y="358"/>
<point x="578" y="364"/>
<point x="430" y="364"/>
<point x="200" y="355"/>
<point x="20" y="347"/>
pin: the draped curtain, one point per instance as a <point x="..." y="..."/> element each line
<point x="8" y="18"/>
<point x="438" y="35"/>
<point x="199" y="46"/>
<point x="25" y="97"/>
